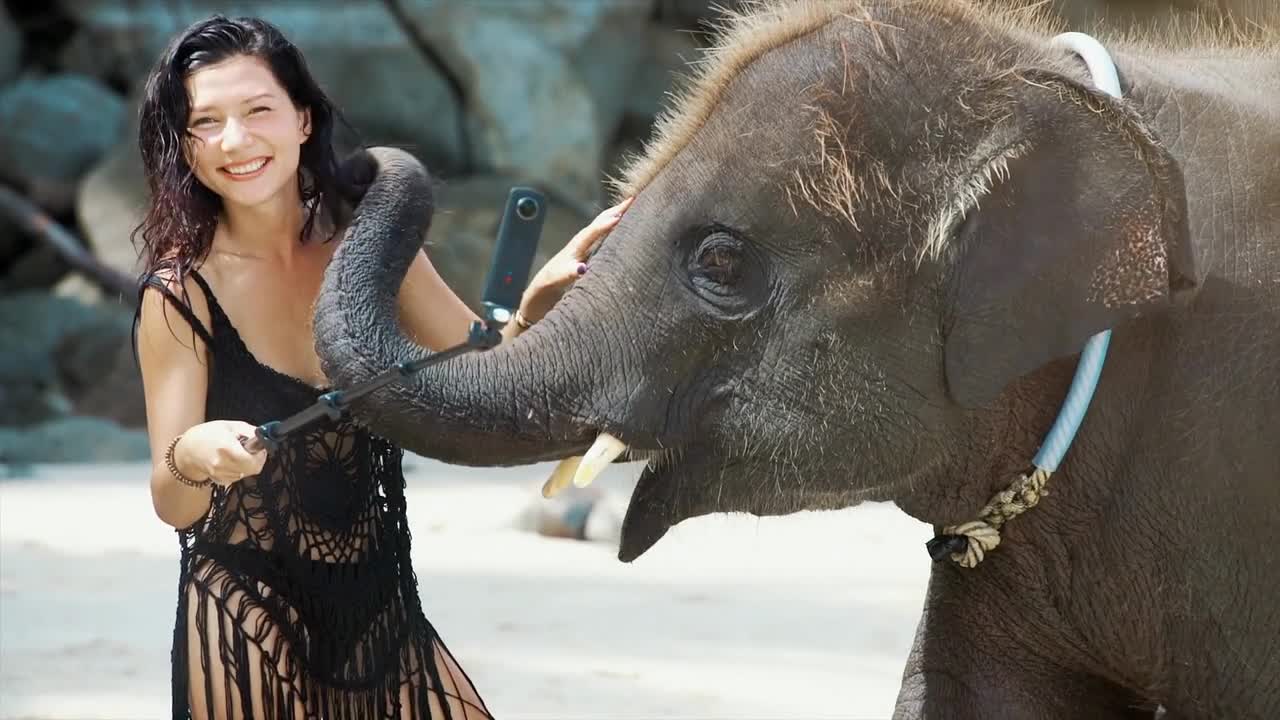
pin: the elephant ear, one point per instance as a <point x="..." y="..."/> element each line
<point x="1084" y="230"/>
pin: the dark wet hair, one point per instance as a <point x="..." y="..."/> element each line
<point x="177" y="231"/>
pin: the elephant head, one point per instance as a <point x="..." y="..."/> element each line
<point x="862" y="236"/>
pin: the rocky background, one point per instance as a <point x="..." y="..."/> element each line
<point x="489" y="93"/>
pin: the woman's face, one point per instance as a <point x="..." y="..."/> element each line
<point x="246" y="135"/>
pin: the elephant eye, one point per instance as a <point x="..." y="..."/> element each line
<point x="719" y="259"/>
<point x="725" y="271"/>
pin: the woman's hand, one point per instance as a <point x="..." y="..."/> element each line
<point x="568" y="265"/>
<point x="436" y="318"/>
<point x="213" y="450"/>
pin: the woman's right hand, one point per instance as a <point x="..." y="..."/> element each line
<point x="213" y="450"/>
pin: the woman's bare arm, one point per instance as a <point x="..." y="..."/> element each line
<point x="431" y="314"/>
<point x="175" y="383"/>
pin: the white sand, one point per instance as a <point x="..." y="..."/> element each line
<point x="807" y="616"/>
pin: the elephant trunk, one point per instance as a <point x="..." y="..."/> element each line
<point x="481" y="408"/>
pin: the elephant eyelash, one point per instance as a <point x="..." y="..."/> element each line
<point x="964" y="197"/>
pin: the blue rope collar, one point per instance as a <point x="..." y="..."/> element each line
<point x="968" y="543"/>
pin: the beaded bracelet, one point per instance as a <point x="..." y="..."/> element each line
<point x="173" y="468"/>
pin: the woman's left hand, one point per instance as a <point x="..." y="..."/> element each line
<point x="568" y="265"/>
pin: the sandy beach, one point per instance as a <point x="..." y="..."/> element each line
<point x="729" y="617"/>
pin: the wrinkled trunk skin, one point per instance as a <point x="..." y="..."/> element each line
<point x="469" y="410"/>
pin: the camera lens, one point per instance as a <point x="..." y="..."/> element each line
<point x="526" y="208"/>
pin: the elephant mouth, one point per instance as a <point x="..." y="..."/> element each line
<point x="652" y="509"/>
<point x="662" y="496"/>
<point x="674" y="485"/>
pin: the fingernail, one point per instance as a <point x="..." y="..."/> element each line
<point x="582" y="268"/>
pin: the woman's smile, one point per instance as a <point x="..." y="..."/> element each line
<point x="246" y="170"/>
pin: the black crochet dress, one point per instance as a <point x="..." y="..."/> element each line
<point x="296" y="596"/>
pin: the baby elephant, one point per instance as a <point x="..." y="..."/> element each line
<point x="869" y="242"/>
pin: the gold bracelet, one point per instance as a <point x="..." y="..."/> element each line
<point x="173" y="468"/>
<point x="522" y="321"/>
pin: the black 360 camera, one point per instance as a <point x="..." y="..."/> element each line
<point x="518" y="235"/>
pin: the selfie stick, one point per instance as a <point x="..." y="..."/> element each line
<point x="518" y="235"/>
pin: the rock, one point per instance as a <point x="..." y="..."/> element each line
<point x="666" y="53"/>
<point x="690" y="14"/>
<point x="111" y="201"/>
<point x="357" y="50"/>
<point x="84" y="355"/>
<point x="465" y="228"/>
<point x="79" y="288"/>
<point x="609" y="57"/>
<point x="10" y="47"/>
<point x="36" y="267"/>
<point x="52" y="130"/>
<point x="36" y="330"/>
<point x="73" y="440"/>
<point x="546" y="82"/>
<point x="12" y="243"/>
<point x="32" y="402"/>
<point x="117" y="394"/>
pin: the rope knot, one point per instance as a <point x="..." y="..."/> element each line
<point x="968" y="543"/>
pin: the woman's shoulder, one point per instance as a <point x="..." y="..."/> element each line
<point x="168" y="284"/>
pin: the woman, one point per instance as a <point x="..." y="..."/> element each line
<point x="296" y="594"/>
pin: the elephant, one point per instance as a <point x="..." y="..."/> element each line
<point x="868" y="242"/>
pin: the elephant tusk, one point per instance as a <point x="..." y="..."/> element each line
<point x="602" y="452"/>
<point x="561" y="476"/>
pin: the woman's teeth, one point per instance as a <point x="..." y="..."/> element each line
<point x="247" y="168"/>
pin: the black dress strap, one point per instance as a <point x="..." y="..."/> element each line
<point x="180" y="304"/>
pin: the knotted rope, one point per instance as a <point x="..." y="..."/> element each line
<point x="968" y="543"/>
